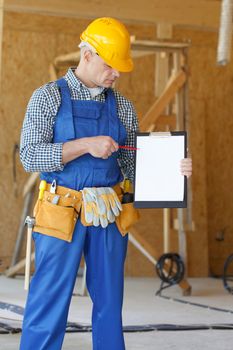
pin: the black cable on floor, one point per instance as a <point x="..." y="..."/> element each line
<point x="182" y="301"/>
<point x="79" y="328"/>
<point x="73" y="327"/>
<point x="6" y="329"/>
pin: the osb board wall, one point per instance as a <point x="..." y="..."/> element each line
<point x="214" y="91"/>
<point x="211" y="135"/>
<point x="31" y="42"/>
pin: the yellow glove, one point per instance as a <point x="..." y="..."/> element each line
<point x="90" y="209"/>
<point x="95" y="210"/>
<point x="101" y="205"/>
<point x="111" y="201"/>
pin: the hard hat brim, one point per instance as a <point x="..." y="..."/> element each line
<point x="123" y="66"/>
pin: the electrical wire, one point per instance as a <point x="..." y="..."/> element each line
<point x="227" y="277"/>
<point x="170" y="269"/>
<point x="213" y="308"/>
<point x="73" y="327"/>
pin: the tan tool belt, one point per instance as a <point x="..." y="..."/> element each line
<point x="58" y="220"/>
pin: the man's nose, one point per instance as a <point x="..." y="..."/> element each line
<point x="116" y="73"/>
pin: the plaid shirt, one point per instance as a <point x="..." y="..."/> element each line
<point x="37" y="150"/>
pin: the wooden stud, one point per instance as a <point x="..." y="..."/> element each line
<point x="164" y="31"/>
<point x="1" y="33"/>
<point x="179" y="100"/>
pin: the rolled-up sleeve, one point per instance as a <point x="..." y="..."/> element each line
<point x="37" y="151"/>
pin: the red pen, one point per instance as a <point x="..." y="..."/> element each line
<point x="129" y="148"/>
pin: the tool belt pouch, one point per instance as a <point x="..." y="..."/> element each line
<point x="127" y="218"/>
<point x="56" y="220"/>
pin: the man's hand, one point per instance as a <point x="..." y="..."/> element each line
<point x="97" y="146"/>
<point x="101" y="146"/>
<point x="186" y="167"/>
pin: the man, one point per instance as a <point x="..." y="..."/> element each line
<point x="71" y="134"/>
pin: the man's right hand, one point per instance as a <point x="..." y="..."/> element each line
<point x="97" y="146"/>
<point x="102" y="146"/>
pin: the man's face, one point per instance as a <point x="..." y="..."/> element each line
<point x="100" y="73"/>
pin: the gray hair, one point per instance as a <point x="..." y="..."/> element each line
<point x="87" y="46"/>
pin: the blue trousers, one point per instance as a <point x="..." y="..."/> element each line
<point x="56" y="266"/>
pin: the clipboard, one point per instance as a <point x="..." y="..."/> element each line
<point x="158" y="180"/>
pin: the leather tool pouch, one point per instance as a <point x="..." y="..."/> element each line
<point x="128" y="217"/>
<point x="57" y="220"/>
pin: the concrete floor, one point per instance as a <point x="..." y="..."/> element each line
<point x="141" y="307"/>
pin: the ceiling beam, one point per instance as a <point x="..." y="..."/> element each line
<point x="201" y="13"/>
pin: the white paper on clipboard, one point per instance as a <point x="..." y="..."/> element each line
<point x="157" y="174"/>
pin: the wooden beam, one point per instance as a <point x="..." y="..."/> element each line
<point x="175" y="83"/>
<point x="30" y="183"/>
<point x="52" y="72"/>
<point x="202" y="13"/>
<point x="13" y="270"/>
<point x="69" y="57"/>
<point x="167" y="120"/>
<point x="158" y="45"/>
<point x="139" y="48"/>
<point x="164" y="31"/>
<point x="1" y="33"/>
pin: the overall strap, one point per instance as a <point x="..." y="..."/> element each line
<point x="65" y="111"/>
<point x="113" y="116"/>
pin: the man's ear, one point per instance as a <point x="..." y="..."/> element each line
<point x="87" y="55"/>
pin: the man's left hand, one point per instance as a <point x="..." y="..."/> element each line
<point x="186" y="167"/>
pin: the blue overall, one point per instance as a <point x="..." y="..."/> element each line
<point x="57" y="261"/>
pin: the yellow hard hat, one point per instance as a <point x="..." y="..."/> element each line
<point x="111" y="41"/>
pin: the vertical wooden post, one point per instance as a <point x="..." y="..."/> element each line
<point x="180" y="125"/>
<point x="1" y="36"/>
<point x="179" y="100"/>
<point x="166" y="230"/>
<point x="164" y="31"/>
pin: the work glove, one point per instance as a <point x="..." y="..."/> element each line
<point x="101" y="205"/>
<point x="111" y="201"/>
<point x="103" y="198"/>
<point x="114" y="201"/>
<point x="94" y="207"/>
<point x="90" y="208"/>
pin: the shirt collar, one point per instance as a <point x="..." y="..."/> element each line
<point x="75" y="82"/>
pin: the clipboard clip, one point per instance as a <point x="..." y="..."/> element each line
<point x="160" y="134"/>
